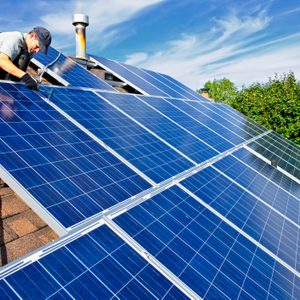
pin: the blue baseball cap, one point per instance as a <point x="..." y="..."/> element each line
<point x="44" y="38"/>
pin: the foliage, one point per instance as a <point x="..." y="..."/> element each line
<point x="275" y="105"/>
<point x="221" y="90"/>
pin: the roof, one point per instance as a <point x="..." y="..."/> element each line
<point x="156" y="193"/>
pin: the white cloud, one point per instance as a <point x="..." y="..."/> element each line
<point x="137" y="58"/>
<point x="102" y="13"/>
<point x="261" y="67"/>
<point x="193" y="61"/>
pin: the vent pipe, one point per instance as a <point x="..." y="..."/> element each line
<point x="80" y="21"/>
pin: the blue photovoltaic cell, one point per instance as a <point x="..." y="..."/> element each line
<point x="7" y="292"/>
<point x="233" y="116"/>
<point x="70" y="71"/>
<point x="68" y="172"/>
<point x="180" y="92"/>
<point x="254" y="217"/>
<point x="167" y="130"/>
<point x="235" y="132"/>
<point x="190" y="94"/>
<point x="280" y="151"/>
<point x="157" y="83"/>
<point x="268" y="171"/>
<point x="261" y="187"/>
<point x="152" y="83"/>
<point x="218" y="137"/>
<point x="146" y="152"/>
<point x="136" y="80"/>
<point x="208" y="255"/>
<point x="98" y="265"/>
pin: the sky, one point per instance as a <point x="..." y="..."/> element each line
<point x="192" y="40"/>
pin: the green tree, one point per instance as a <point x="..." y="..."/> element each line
<point x="275" y="105"/>
<point x="221" y="90"/>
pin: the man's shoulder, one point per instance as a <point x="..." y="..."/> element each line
<point x="11" y="43"/>
<point x="16" y="35"/>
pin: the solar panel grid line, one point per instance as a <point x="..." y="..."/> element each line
<point x="151" y="259"/>
<point x="110" y="254"/>
<point x="257" y="197"/>
<point x="258" y="244"/>
<point x="71" y="71"/>
<point x="281" y="144"/>
<point x="100" y="141"/>
<point x="201" y="108"/>
<point x="177" y="124"/>
<point x="177" y="89"/>
<point x="99" y="260"/>
<point x="150" y="131"/>
<point x="15" y="292"/>
<point x="155" y="225"/>
<point x="202" y="123"/>
<point x="32" y="203"/>
<point x="50" y="72"/>
<point x="119" y="76"/>
<point x="247" y="273"/>
<point x="147" y="89"/>
<point x="45" y="250"/>
<point x="261" y="134"/>
<point x="122" y="134"/>
<point x="150" y="78"/>
<point x="252" y="126"/>
<point x="276" y="137"/>
<point x="158" y="188"/>
<point x="291" y="176"/>
<point x="269" y="163"/>
<point x="54" y="223"/>
<point x="276" y="153"/>
<point x="38" y="106"/>
<point x="88" y="269"/>
<point x="248" y="213"/>
<point x="190" y="92"/>
<point x="220" y="268"/>
<point x="51" y="220"/>
<point x="236" y="118"/>
<point x="57" y="282"/>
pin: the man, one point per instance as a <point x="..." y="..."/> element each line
<point x="16" y="50"/>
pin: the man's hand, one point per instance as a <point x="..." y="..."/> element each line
<point x="30" y="82"/>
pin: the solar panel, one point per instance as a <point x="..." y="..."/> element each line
<point x="189" y="93"/>
<point x="164" y="195"/>
<point x="217" y="132"/>
<point x="259" y="215"/>
<point x="181" y="89"/>
<point x="70" y="71"/>
<point x="280" y="152"/>
<point x="204" y="251"/>
<point x="64" y="169"/>
<point x="136" y="81"/>
<point x="148" y="82"/>
<point x="269" y="172"/>
<point x="191" y="146"/>
<point x="243" y="127"/>
<point x="145" y="151"/>
<point x="154" y="81"/>
<point x="96" y="265"/>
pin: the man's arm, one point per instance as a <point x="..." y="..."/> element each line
<point x="7" y="65"/>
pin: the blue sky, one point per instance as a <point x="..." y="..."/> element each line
<point x="191" y="40"/>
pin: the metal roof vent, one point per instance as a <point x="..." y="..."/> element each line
<point x="80" y="21"/>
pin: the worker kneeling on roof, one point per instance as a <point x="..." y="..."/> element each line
<point x="16" y="50"/>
